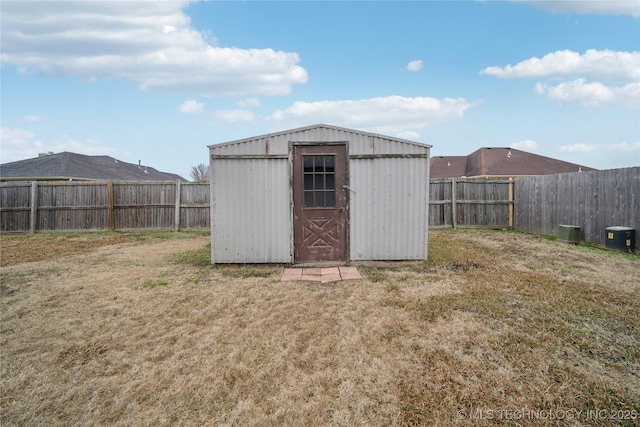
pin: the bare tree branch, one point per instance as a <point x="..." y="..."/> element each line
<point x="200" y="172"/>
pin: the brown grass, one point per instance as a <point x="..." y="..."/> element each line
<point x="140" y="330"/>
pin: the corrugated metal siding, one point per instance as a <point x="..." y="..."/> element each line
<point x="388" y="209"/>
<point x="251" y="215"/>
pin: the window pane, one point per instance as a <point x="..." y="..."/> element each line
<point x="319" y="181"/>
<point x="308" y="163"/>
<point x="308" y="199"/>
<point x="308" y="181"/>
<point x="319" y="163"/>
<point x="330" y="163"/>
<point x="330" y="197"/>
<point x="319" y="199"/>
<point x="330" y="182"/>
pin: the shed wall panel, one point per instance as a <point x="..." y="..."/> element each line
<point x="388" y="209"/>
<point x="251" y="214"/>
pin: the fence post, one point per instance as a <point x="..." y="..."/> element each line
<point x="176" y="224"/>
<point x="453" y="203"/>
<point x="33" y="219"/>
<point x="510" y="202"/>
<point x="110" y="215"/>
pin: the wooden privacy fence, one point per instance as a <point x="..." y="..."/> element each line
<point x="592" y="201"/>
<point x="463" y="202"/>
<point x="103" y="205"/>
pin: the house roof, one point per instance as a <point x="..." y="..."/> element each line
<point x="73" y="166"/>
<point x="500" y="162"/>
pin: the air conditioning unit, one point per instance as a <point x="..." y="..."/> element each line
<point x="621" y="239"/>
<point x="569" y="234"/>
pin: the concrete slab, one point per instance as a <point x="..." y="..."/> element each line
<point x="311" y="278"/>
<point x="320" y="275"/>
<point x="326" y="278"/>
<point x="350" y="273"/>
<point x="291" y="275"/>
<point x="329" y="270"/>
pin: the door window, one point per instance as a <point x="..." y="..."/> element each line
<point x="319" y="181"/>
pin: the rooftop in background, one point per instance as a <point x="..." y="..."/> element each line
<point x="494" y="162"/>
<point x="72" y="166"/>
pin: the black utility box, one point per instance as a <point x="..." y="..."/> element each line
<point x="621" y="239"/>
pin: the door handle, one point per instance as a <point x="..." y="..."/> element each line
<point x="341" y="209"/>
<point x="346" y="187"/>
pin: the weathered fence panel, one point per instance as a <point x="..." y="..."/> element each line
<point x="470" y="203"/>
<point x="195" y="206"/>
<point x="591" y="200"/>
<point x="71" y="206"/>
<point x="99" y="205"/>
<point x="145" y="206"/>
<point x="15" y="207"/>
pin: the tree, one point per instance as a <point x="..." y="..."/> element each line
<point x="200" y="172"/>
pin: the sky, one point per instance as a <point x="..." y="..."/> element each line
<point x="157" y="82"/>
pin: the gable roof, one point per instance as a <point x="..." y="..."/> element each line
<point x="73" y="166"/>
<point x="500" y="162"/>
<point x="318" y="129"/>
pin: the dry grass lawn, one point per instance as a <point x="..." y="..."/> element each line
<point x="497" y="328"/>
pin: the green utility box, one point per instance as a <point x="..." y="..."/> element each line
<point x="621" y="239"/>
<point x="569" y="234"/>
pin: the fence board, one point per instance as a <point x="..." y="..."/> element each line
<point x="15" y="207"/>
<point x="592" y="201"/>
<point x="469" y="203"/>
<point x="100" y="205"/>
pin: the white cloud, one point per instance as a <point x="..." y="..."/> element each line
<point x="588" y="70"/>
<point x="604" y="7"/>
<point x="414" y="65"/>
<point x="191" y="107"/>
<point x="16" y="144"/>
<point x="578" y="148"/>
<point x="248" y="103"/>
<point x="408" y="135"/>
<point x="594" y="64"/>
<point x="89" y="146"/>
<point x="149" y="43"/>
<point x="392" y="115"/>
<point x="527" y="145"/>
<point x="603" y="155"/>
<point x="627" y="147"/>
<point x="233" y="116"/>
<point x="20" y="144"/>
<point x="593" y="94"/>
<point x="30" y="118"/>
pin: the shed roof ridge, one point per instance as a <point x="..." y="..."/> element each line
<point x="316" y="126"/>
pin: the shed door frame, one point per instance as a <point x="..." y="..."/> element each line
<point x="347" y="195"/>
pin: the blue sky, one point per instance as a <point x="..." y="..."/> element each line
<point x="159" y="81"/>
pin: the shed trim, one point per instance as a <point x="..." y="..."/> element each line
<point x="389" y="156"/>
<point x="294" y="142"/>
<point x="248" y="156"/>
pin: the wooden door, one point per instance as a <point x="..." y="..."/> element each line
<point x="319" y="203"/>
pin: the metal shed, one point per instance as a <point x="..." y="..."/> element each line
<point x="319" y="194"/>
